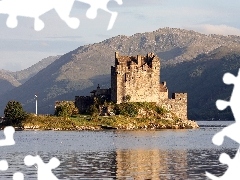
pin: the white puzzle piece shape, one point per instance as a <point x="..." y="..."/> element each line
<point x="8" y="133"/>
<point x="101" y="4"/>
<point x="3" y="165"/>
<point x="44" y="169"/>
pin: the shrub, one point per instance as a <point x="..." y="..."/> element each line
<point x="93" y="110"/>
<point x="66" y="109"/>
<point x="127" y="109"/>
<point x="14" y="112"/>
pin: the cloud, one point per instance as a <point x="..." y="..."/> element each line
<point x="216" y="29"/>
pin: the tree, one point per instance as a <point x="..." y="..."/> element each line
<point x="14" y="112"/>
<point x="66" y="109"/>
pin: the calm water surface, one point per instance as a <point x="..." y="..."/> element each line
<point x="165" y="154"/>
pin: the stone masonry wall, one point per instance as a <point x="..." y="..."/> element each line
<point x="83" y="103"/>
<point x="177" y="104"/>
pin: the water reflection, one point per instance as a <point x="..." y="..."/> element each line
<point x="85" y="165"/>
<point x="160" y="155"/>
<point x="151" y="164"/>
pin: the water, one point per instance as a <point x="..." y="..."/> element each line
<point x="164" y="154"/>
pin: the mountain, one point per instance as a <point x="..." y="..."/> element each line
<point x="23" y="75"/>
<point x="191" y="62"/>
<point x="9" y="80"/>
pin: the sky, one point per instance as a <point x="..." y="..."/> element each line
<point x="22" y="46"/>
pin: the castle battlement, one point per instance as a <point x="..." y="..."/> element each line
<point x="124" y="64"/>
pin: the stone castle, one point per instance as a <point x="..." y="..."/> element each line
<point x="137" y="79"/>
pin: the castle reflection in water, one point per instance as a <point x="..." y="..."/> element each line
<point x="150" y="164"/>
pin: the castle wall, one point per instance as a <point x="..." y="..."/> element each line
<point x="83" y="103"/>
<point x="177" y="104"/>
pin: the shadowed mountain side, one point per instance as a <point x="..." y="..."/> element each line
<point x="5" y="86"/>
<point x="202" y="79"/>
<point x="7" y="81"/>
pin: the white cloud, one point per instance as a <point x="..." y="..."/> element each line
<point x="216" y="29"/>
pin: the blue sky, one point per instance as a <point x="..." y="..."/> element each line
<point x="22" y="47"/>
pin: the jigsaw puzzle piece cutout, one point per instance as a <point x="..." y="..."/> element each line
<point x="18" y="176"/>
<point x="8" y="133"/>
<point x="221" y="104"/>
<point x="36" y="8"/>
<point x="101" y="4"/>
<point x="3" y="165"/>
<point x="44" y="170"/>
<point x="232" y="172"/>
<point x="63" y="9"/>
<point x="229" y="78"/>
<point x="231" y="131"/>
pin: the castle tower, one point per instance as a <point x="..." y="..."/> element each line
<point x="135" y="77"/>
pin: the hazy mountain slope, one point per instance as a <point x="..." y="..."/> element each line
<point x="181" y="51"/>
<point x="23" y="75"/>
<point x="10" y="80"/>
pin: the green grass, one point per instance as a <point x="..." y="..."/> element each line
<point x="87" y="122"/>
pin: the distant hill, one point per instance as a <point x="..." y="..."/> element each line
<point x="191" y="62"/>
<point x="23" y="75"/>
<point x="9" y="80"/>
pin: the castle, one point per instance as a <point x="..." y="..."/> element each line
<point x="137" y="79"/>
